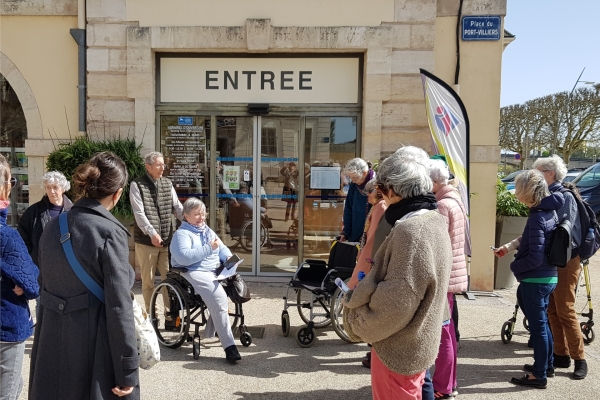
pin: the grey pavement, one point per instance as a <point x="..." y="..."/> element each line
<point x="275" y="367"/>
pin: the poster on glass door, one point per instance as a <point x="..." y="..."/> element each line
<point x="231" y="177"/>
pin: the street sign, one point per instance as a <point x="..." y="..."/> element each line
<point x="481" y="28"/>
<point x="517" y="156"/>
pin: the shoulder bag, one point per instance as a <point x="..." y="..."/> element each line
<point x="147" y="342"/>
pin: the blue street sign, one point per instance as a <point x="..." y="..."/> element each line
<point x="481" y="28"/>
<point x="517" y="156"/>
<point x="185" y="120"/>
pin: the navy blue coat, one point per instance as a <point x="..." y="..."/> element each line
<point x="355" y="213"/>
<point x="531" y="260"/>
<point x="17" y="269"/>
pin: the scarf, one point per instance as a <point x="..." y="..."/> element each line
<point x="398" y="210"/>
<point x="203" y="231"/>
<point x="370" y="175"/>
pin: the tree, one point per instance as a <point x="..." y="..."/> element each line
<point x="580" y="122"/>
<point x="521" y="127"/>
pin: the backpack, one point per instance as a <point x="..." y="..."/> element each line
<point x="587" y="217"/>
<point x="559" y="252"/>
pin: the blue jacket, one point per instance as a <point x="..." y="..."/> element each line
<point x="355" y="213"/>
<point x="531" y="260"/>
<point x="17" y="269"/>
<point x="188" y="250"/>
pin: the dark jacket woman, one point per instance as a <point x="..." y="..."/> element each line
<point x="82" y="347"/>
<point x="531" y="260"/>
<point x="17" y="269"/>
<point x="32" y="223"/>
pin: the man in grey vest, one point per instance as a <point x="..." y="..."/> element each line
<point x="154" y="201"/>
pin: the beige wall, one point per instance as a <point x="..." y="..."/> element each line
<point x="43" y="71"/>
<point x="281" y="12"/>
<point x="479" y="85"/>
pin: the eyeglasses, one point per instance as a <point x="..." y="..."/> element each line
<point x="12" y="181"/>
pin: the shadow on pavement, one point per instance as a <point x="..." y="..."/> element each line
<point x="329" y="394"/>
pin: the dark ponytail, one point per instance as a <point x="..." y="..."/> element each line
<point x="100" y="177"/>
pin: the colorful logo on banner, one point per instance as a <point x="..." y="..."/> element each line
<point x="445" y="120"/>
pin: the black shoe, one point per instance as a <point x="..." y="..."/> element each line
<point x="562" y="361"/>
<point x="529" y="368"/>
<point x="525" y="381"/>
<point x="530" y="343"/>
<point x="580" y="369"/>
<point x="232" y="354"/>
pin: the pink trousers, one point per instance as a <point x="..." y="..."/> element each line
<point x="388" y="385"/>
<point x="444" y="378"/>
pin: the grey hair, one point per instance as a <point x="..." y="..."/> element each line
<point x="438" y="172"/>
<point x="191" y="204"/>
<point x="55" y="177"/>
<point x="413" y="153"/>
<point x="407" y="177"/>
<point x="372" y="184"/>
<point x="531" y="186"/>
<point x="152" y="156"/>
<point x="356" y="166"/>
<point x="552" y="163"/>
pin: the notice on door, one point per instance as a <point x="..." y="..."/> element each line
<point x="260" y="80"/>
<point x="231" y="177"/>
<point x="325" y="177"/>
<point x="184" y="149"/>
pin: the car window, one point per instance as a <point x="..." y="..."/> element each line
<point x="589" y="178"/>
<point x="511" y="176"/>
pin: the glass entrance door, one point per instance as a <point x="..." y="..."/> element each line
<point x="272" y="185"/>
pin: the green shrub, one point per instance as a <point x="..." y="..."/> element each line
<point x="69" y="155"/>
<point x="507" y="204"/>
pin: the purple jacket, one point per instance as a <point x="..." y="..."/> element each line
<point x="531" y="260"/>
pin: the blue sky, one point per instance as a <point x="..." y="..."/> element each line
<point x="556" y="39"/>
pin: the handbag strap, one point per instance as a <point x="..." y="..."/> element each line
<point x="84" y="277"/>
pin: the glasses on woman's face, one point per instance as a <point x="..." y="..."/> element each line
<point x="12" y="181"/>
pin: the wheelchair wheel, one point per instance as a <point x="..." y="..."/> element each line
<point x="506" y="332"/>
<point x="246" y="339"/>
<point x="303" y="300"/>
<point x="169" y="313"/>
<point x="525" y="324"/>
<point x="247" y="235"/>
<point x="285" y="323"/>
<point x="588" y="333"/>
<point x="196" y="347"/>
<point x="305" y="337"/>
<point x="337" y="314"/>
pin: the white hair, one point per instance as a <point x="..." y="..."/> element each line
<point x="531" y="187"/>
<point x="438" y="172"/>
<point x="191" y="204"/>
<point x="55" y="177"/>
<point x="552" y="163"/>
<point x="356" y="166"/>
<point x="413" y="153"/>
<point x="407" y="177"/>
<point x="152" y="156"/>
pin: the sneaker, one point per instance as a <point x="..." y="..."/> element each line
<point x="529" y="368"/>
<point x="366" y="363"/>
<point x="525" y="381"/>
<point x="454" y="392"/>
<point x="580" y="369"/>
<point x="439" y="395"/>
<point x="562" y="361"/>
<point x="232" y="354"/>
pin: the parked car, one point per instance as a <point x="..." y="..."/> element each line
<point x="572" y="174"/>
<point x="509" y="180"/>
<point x="588" y="183"/>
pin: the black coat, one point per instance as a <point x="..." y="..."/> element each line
<point x="32" y="223"/>
<point x="82" y="347"/>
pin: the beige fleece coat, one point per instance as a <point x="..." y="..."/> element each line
<point x="398" y="306"/>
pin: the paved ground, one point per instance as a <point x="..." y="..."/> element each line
<point x="275" y="367"/>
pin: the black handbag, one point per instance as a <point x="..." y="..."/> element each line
<point x="237" y="289"/>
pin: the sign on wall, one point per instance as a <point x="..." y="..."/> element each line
<point x="481" y="28"/>
<point x="259" y="80"/>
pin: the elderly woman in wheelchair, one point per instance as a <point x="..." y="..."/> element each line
<point x="197" y="252"/>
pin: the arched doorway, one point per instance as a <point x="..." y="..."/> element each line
<point x="13" y="132"/>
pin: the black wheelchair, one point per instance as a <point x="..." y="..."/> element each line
<point x="175" y="308"/>
<point x="318" y="299"/>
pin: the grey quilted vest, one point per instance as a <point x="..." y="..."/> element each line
<point x="158" y="207"/>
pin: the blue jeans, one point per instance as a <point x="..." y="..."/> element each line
<point x="533" y="299"/>
<point x="427" y="389"/>
<point x="11" y="364"/>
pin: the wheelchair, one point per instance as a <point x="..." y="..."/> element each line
<point x="240" y="225"/>
<point x="318" y="299"/>
<point x="175" y="308"/>
<point x="508" y="328"/>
